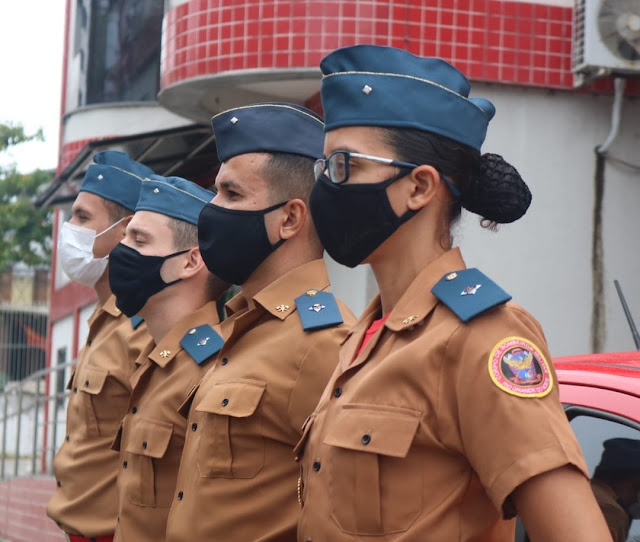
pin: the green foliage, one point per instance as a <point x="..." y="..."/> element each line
<point x="25" y="232"/>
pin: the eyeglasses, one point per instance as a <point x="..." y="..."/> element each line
<point x="337" y="165"/>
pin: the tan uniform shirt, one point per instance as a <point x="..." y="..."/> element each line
<point x="238" y="477"/>
<point x="617" y="518"/>
<point x="153" y="431"/>
<point x="412" y="439"/>
<point x="85" y="466"/>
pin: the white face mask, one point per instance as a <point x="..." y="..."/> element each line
<point x="634" y="508"/>
<point x="75" y="249"/>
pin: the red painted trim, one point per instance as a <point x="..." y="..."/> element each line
<point x="63" y="97"/>
<point x="68" y="298"/>
<point x="76" y="333"/>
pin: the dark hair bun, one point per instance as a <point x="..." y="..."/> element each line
<point x="497" y="192"/>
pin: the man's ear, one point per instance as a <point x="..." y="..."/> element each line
<point x="123" y="225"/>
<point x="192" y="263"/>
<point x="294" y="218"/>
<point x="426" y="182"/>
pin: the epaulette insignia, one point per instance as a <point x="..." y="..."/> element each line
<point x="136" y="321"/>
<point x="318" y="310"/>
<point x="469" y="293"/>
<point x="201" y="343"/>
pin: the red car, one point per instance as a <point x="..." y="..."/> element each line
<point x="601" y="395"/>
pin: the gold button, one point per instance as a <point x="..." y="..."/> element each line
<point x="409" y="319"/>
<point x="165" y="353"/>
<point x="282" y="308"/>
<point x="451" y="276"/>
<point x="312" y="293"/>
<point x="192" y="331"/>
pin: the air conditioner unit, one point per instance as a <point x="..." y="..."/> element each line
<point x="606" y="39"/>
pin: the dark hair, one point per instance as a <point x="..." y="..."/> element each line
<point x="489" y="186"/>
<point x="115" y="210"/>
<point x="290" y="176"/>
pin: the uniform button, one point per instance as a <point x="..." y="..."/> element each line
<point x="224" y="361"/>
<point x="366" y="439"/>
<point x="316" y="466"/>
<point x="194" y="426"/>
<point x="58" y="483"/>
<point x="180" y="494"/>
<point x="86" y="382"/>
<point x="75" y="390"/>
<point x="225" y="402"/>
<point x="337" y="392"/>
<point x="134" y="410"/>
<point x="124" y="464"/>
<point x="144" y="444"/>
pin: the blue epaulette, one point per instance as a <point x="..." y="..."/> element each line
<point x="136" y="321"/>
<point x="318" y="310"/>
<point x="201" y="343"/>
<point x="469" y="292"/>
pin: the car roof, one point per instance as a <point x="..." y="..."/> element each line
<point x="618" y="371"/>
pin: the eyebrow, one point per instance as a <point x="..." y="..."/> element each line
<point x="135" y="230"/>
<point x="227" y="185"/>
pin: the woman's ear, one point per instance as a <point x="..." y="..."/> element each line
<point x="425" y="184"/>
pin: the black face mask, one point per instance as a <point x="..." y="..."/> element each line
<point x="352" y="220"/>
<point x="134" y="277"/>
<point x="233" y="243"/>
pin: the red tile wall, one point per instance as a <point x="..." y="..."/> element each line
<point x="68" y="151"/>
<point x="489" y="40"/>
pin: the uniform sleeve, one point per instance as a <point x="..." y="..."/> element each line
<point x="510" y="423"/>
<point x="315" y="369"/>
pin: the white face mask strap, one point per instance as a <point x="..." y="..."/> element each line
<point x="111" y="227"/>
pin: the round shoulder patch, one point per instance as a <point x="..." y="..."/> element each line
<point x="518" y="367"/>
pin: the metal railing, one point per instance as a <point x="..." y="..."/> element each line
<point x="31" y="410"/>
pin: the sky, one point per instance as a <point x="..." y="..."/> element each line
<point x="31" y="51"/>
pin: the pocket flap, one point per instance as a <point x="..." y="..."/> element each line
<point x="149" y="437"/>
<point x="91" y="380"/>
<point x="382" y="431"/>
<point x="237" y="398"/>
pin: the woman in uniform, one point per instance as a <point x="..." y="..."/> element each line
<point x="442" y="420"/>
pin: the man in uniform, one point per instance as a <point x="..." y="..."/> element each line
<point x="237" y="478"/>
<point x="158" y="272"/>
<point x="616" y="485"/>
<point x="84" y="504"/>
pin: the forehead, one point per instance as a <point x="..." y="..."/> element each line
<point x="362" y="139"/>
<point x="244" y="170"/>
<point x="88" y="202"/>
<point x="150" y="223"/>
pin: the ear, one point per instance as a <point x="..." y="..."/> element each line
<point x="191" y="264"/>
<point x="293" y="218"/>
<point x="426" y="182"/>
<point x="123" y="225"/>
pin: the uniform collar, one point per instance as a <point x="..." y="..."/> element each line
<point x="418" y="301"/>
<point x="109" y="307"/>
<point x="278" y="298"/>
<point x="169" y="346"/>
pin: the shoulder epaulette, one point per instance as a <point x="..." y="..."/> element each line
<point x="201" y="343"/>
<point x="136" y="321"/>
<point x="469" y="292"/>
<point x="318" y="310"/>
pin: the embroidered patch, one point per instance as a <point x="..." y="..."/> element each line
<point x="518" y="367"/>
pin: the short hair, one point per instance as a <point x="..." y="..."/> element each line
<point x="289" y="176"/>
<point x="116" y="211"/>
<point x="185" y="234"/>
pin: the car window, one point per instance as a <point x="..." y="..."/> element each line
<point x="597" y="431"/>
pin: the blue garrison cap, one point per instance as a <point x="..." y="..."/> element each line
<point x="114" y="176"/>
<point x="370" y="85"/>
<point x="268" y="127"/>
<point x="174" y="197"/>
<point x="620" y="454"/>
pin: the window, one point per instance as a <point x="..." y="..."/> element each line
<point x="124" y="51"/>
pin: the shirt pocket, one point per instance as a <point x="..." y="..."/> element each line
<point x="231" y="442"/>
<point x="90" y="382"/>
<point x="375" y="485"/>
<point x="148" y="484"/>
